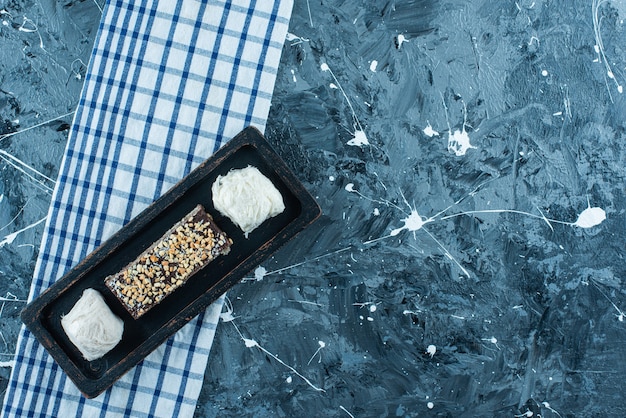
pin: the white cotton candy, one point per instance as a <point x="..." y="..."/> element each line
<point x="92" y="327"/>
<point x="247" y="197"/>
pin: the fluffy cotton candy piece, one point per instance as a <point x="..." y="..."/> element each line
<point x="247" y="198"/>
<point x="92" y="327"/>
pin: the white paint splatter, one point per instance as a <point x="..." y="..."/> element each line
<point x="429" y="131"/>
<point x="359" y="139"/>
<point x="8" y="239"/>
<point x="600" y="51"/>
<point x="333" y="86"/>
<point x="259" y="273"/>
<point x="37" y="177"/>
<point x="305" y="302"/>
<point x="32" y="28"/>
<point x="431" y="350"/>
<point x="98" y="6"/>
<point x="409" y="312"/>
<point x="492" y="340"/>
<point x="401" y="39"/>
<point x="376" y="212"/>
<point x="547" y="406"/>
<point x="29" y="26"/>
<point x="293" y="75"/>
<point x="77" y="73"/>
<point x="621" y="315"/>
<point x="590" y="217"/>
<point x="250" y="343"/>
<point x="4" y="12"/>
<point x="36" y="126"/>
<point x="373" y="66"/>
<point x="10" y="297"/>
<point x="295" y="39"/>
<point x="372" y="306"/>
<point x="321" y="344"/>
<point x="414" y="222"/>
<point x="319" y="257"/>
<point x="544" y="73"/>
<point x="430" y="405"/>
<point x="227" y="316"/>
<point x="346" y="411"/>
<point x="288" y="379"/>
<point x="459" y="142"/>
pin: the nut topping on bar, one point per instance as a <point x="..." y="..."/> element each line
<point x="187" y="247"/>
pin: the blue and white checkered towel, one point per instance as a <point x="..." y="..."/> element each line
<point x="168" y="82"/>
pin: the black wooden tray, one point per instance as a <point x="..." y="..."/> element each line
<point x="141" y="336"/>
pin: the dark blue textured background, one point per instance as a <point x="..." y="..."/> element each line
<point x="536" y="325"/>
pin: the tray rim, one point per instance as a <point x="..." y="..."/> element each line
<point x="32" y="313"/>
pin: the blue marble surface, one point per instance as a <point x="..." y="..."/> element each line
<point x="44" y="48"/>
<point x="469" y="159"/>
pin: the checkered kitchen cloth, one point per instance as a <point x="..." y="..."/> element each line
<point x="168" y="82"/>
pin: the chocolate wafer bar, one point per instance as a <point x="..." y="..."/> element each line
<point x="166" y="265"/>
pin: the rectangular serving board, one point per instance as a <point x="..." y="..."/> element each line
<point x="142" y="336"/>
